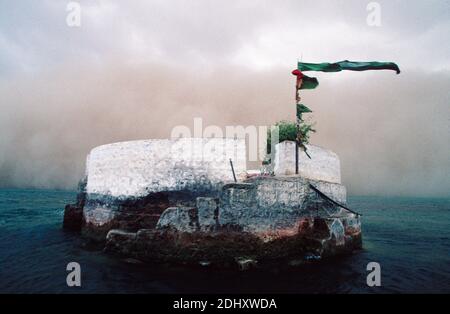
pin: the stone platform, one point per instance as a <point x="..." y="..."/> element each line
<point x="197" y="214"/>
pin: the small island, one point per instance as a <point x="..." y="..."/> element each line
<point x="181" y="201"/>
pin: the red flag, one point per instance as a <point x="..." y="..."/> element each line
<point x="299" y="76"/>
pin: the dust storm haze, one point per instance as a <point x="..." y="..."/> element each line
<point x="58" y="100"/>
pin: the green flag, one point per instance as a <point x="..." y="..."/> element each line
<point x="301" y="108"/>
<point x="348" y="65"/>
<point x="309" y="82"/>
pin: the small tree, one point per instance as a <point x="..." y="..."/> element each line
<point x="287" y="131"/>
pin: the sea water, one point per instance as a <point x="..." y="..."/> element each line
<point x="408" y="237"/>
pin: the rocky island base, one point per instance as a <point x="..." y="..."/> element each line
<point x="150" y="201"/>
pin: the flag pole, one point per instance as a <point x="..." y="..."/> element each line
<point x="297" y="125"/>
<point x="298" y="84"/>
<point x="299" y="110"/>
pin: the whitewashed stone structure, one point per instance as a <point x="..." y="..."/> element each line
<point x="324" y="164"/>
<point x="137" y="168"/>
<point x="175" y="200"/>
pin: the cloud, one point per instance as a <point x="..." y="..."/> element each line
<point x="134" y="71"/>
<point x="391" y="133"/>
<point x="250" y="33"/>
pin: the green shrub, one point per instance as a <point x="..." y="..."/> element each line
<point x="288" y="132"/>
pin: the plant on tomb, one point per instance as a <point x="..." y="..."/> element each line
<point x="287" y="131"/>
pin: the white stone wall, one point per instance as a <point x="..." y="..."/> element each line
<point x="137" y="168"/>
<point x="324" y="164"/>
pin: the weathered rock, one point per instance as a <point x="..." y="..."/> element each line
<point x="196" y="216"/>
<point x="246" y="263"/>
<point x="184" y="219"/>
<point x="263" y="219"/>
<point x="208" y="213"/>
<point x="73" y="213"/>
<point x="73" y="217"/>
<point x="221" y="249"/>
<point x="121" y="241"/>
<point x="103" y="213"/>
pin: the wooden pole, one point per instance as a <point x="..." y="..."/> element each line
<point x="297" y="119"/>
<point x="232" y="169"/>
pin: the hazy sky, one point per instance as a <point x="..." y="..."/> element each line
<point x="136" y="69"/>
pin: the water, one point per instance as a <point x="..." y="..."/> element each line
<point x="409" y="237"/>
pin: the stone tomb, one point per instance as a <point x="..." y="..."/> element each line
<point x="176" y="200"/>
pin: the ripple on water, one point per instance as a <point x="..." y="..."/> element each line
<point x="408" y="237"/>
